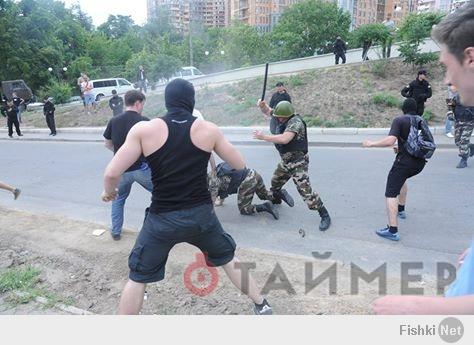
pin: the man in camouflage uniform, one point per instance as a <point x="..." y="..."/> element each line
<point x="245" y="182"/>
<point x="463" y="127"/>
<point x="291" y="141"/>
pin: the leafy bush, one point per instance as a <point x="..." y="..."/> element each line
<point x="295" y="80"/>
<point x="379" y="68"/>
<point x="312" y="121"/>
<point x="428" y="115"/>
<point x="61" y="92"/>
<point x="386" y="99"/>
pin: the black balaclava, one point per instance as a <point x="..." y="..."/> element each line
<point x="179" y="97"/>
<point x="409" y="106"/>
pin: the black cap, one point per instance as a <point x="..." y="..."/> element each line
<point x="279" y="84"/>
<point x="422" y="71"/>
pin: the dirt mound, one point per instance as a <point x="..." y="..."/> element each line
<point x="90" y="272"/>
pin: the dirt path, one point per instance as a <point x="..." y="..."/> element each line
<point x="91" y="271"/>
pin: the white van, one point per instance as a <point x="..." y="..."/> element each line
<point x="104" y="87"/>
<point x="188" y="72"/>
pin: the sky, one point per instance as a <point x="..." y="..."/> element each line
<point x="99" y="10"/>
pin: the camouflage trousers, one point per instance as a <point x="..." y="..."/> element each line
<point x="252" y="184"/>
<point x="462" y="136"/>
<point x="298" y="171"/>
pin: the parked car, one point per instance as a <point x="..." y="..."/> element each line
<point x="104" y="87"/>
<point x="188" y="72"/>
<point x="20" y="88"/>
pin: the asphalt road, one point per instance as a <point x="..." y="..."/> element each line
<point x="66" y="179"/>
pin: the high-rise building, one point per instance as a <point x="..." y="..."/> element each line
<point x="263" y="14"/>
<point x="378" y="11"/>
<point x="210" y="13"/>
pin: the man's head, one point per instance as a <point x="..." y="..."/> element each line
<point x="338" y="38"/>
<point x="114" y="92"/>
<point x="135" y="101"/>
<point x="283" y="110"/>
<point x="409" y="106"/>
<point x="45" y="98"/>
<point x="10" y="103"/>
<point x="141" y="68"/>
<point x="280" y="87"/>
<point x="179" y="94"/>
<point x="455" y="33"/>
<point x="422" y="74"/>
<point x="14" y="94"/>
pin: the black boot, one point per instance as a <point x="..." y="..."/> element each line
<point x="286" y="197"/>
<point x="471" y="150"/>
<point x="325" y="219"/>
<point x="267" y="207"/>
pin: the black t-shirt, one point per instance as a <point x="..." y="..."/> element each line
<point x="401" y="129"/>
<point x="117" y="131"/>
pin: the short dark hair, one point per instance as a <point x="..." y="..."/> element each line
<point x="409" y="106"/>
<point x="422" y="71"/>
<point x="133" y="96"/>
<point x="456" y="30"/>
<point x="45" y="98"/>
<point x="280" y="83"/>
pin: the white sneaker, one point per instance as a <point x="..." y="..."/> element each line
<point x="450" y="135"/>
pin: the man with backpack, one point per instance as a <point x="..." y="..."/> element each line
<point x="415" y="145"/>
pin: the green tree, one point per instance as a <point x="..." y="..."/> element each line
<point x="117" y="26"/>
<point x="414" y="29"/>
<point x="309" y="26"/>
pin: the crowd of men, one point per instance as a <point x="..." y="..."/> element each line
<point x="169" y="156"/>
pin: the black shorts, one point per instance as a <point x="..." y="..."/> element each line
<point x="402" y="169"/>
<point x="198" y="226"/>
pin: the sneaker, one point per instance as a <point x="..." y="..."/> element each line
<point x="450" y="135"/>
<point x="20" y="135"/>
<point x="16" y="193"/>
<point x="11" y="136"/>
<point x="402" y="215"/>
<point x="263" y="309"/>
<point x="116" y="237"/>
<point x="385" y="233"/>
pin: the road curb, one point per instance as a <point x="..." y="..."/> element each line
<point x="354" y="144"/>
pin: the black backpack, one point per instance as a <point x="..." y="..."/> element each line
<point x="420" y="142"/>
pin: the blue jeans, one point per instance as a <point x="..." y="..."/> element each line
<point x="448" y="126"/>
<point x="142" y="177"/>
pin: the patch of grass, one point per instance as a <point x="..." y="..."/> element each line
<point x="312" y="121"/>
<point x="428" y="115"/>
<point x="295" y="80"/>
<point x="20" y="284"/>
<point x="19" y="279"/>
<point x="386" y="99"/>
<point x="379" y="68"/>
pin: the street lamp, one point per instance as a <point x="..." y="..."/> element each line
<point x="64" y="70"/>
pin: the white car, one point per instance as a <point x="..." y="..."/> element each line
<point x="104" y="87"/>
<point x="188" y="72"/>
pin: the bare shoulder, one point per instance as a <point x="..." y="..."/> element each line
<point x="146" y="127"/>
<point x="206" y="127"/>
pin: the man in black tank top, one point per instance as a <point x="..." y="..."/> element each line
<point x="177" y="148"/>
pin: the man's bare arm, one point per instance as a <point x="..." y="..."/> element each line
<point x="421" y="305"/>
<point x="227" y="152"/>
<point x="387" y="141"/>
<point x="123" y="159"/>
<point x="281" y="139"/>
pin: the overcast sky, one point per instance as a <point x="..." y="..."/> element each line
<point x="99" y="10"/>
